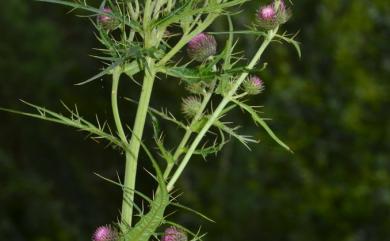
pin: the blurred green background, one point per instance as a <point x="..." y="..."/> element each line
<point x="331" y="107"/>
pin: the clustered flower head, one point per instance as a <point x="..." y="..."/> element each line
<point x="201" y="47"/>
<point x="105" y="233"/>
<point x="254" y="85"/>
<point x="190" y="106"/>
<point x="174" y="234"/>
<point x="106" y="21"/>
<point x="270" y="16"/>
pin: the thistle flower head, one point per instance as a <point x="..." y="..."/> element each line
<point x="254" y="85"/>
<point x="197" y="88"/>
<point x="266" y="13"/>
<point x="190" y="106"/>
<point x="105" y="233"/>
<point x="270" y="16"/>
<point x="201" y="47"/>
<point x="106" y="21"/>
<point x="105" y="18"/>
<point x="174" y="234"/>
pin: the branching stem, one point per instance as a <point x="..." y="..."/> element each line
<point x="219" y="110"/>
<point x="187" y="135"/>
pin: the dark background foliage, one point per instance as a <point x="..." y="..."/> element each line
<point x="331" y="107"/>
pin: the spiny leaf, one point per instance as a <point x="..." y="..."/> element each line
<point x="75" y="121"/>
<point x="204" y="151"/>
<point x="258" y="120"/>
<point x="165" y="154"/>
<point x="187" y="9"/>
<point x="189" y="75"/>
<point x="133" y="24"/>
<point x="292" y="41"/>
<point x="164" y="114"/>
<point x="193" y="211"/>
<point x="231" y="131"/>
<point x="126" y="189"/>
<point x="102" y="73"/>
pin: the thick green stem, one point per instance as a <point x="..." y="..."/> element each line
<point x="134" y="145"/>
<point x="219" y="110"/>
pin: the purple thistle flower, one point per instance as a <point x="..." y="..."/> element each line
<point x="256" y="81"/>
<point x="174" y="234"/>
<point x="105" y="233"/>
<point x="254" y="85"/>
<point x="107" y="21"/>
<point x="269" y="17"/>
<point x="267" y="13"/>
<point x="201" y="47"/>
<point x="105" y="18"/>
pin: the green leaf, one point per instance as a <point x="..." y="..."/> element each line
<point x="232" y="132"/>
<point x="188" y="9"/>
<point x="101" y="74"/>
<point x="193" y="211"/>
<point x="75" y="121"/>
<point x="133" y="24"/>
<point x="164" y="114"/>
<point x="165" y="154"/>
<point x="190" y="76"/>
<point x="258" y="120"/>
<point x="175" y="15"/>
<point x="292" y="41"/>
<point x="204" y="151"/>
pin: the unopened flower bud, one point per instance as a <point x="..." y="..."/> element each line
<point x="270" y="16"/>
<point x="174" y="234"/>
<point x="254" y="85"/>
<point x="106" y="21"/>
<point x="224" y="86"/>
<point x="105" y="233"/>
<point x="283" y="13"/>
<point x="201" y="47"/>
<point x="190" y="106"/>
<point x="196" y="88"/>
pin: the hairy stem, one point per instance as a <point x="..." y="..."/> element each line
<point x="134" y="145"/>
<point x="219" y="110"/>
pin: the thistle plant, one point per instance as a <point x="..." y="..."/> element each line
<point x="146" y="38"/>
